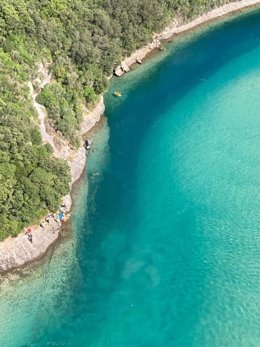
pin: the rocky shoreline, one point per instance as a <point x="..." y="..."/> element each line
<point x="18" y="251"/>
<point x="178" y="27"/>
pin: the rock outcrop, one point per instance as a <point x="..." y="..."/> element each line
<point x="120" y="70"/>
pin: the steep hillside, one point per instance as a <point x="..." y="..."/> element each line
<point x="83" y="40"/>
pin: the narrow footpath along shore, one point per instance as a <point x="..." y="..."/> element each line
<point x="177" y="27"/>
<point x="18" y="251"/>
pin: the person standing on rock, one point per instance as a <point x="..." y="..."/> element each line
<point x="29" y="234"/>
<point x="30" y="237"/>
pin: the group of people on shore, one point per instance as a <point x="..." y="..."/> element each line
<point x="58" y="217"/>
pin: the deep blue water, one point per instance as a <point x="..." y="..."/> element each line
<point x="166" y="246"/>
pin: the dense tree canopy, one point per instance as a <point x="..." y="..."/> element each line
<point x="84" y="40"/>
<point x="31" y="181"/>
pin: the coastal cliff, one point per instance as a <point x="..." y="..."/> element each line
<point x="17" y="251"/>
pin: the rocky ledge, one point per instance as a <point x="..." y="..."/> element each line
<point x="18" y="251"/>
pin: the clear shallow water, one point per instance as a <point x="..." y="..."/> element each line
<point x="166" y="245"/>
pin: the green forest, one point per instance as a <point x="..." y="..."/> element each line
<point x="83" y="40"/>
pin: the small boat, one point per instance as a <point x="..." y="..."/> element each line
<point x="138" y="61"/>
<point x="117" y="93"/>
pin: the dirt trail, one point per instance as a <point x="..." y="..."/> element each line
<point x="18" y="251"/>
<point x="41" y="111"/>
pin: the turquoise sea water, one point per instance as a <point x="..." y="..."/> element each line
<point x="165" y="246"/>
